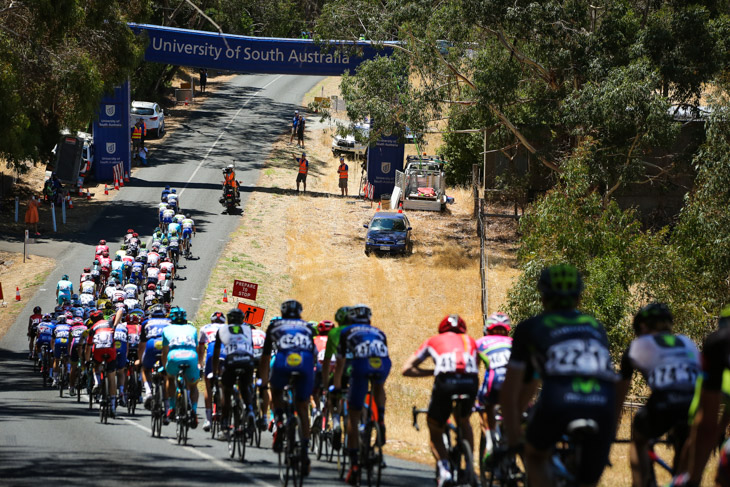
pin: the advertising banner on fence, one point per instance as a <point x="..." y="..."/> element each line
<point x="112" y="134"/>
<point x="384" y="159"/>
<point x="212" y="50"/>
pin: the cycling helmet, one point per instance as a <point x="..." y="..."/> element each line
<point x="497" y="320"/>
<point x="178" y="316"/>
<point x="650" y="315"/>
<point x="102" y="242"/>
<point x="61" y="319"/>
<point x="87" y="270"/>
<point x="143" y="245"/>
<point x="79" y="313"/>
<point x="123" y="247"/>
<point x="96" y="262"/>
<point x="37" y="310"/>
<point x="151" y="286"/>
<point x="562" y="282"/>
<point x="46" y="317"/>
<point x="129" y="230"/>
<point x="167" y="187"/>
<point x="157" y="311"/>
<point x="291" y="309"/>
<point x="64" y="277"/>
<point x="173" y="190"/>
<point x="359" y="313"/>
<point x="95" y="316"/>
<point x="324" y="327"/>
<point x="112" y="282"/>
<point x="135" y="234"/>
<point x="108" y="305"/>
<point x="217" y="317"/>
<point x="105" y="253"/>
<point x="341" y="315"/>
<point x="235" y="316"/>
<point x="453" y="323"/>
<point x="118" y="258"/>
<point x="187" y="215"/>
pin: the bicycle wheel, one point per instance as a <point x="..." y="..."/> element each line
<point x="342" y="456"/>
<point x="295" y="452"/>
<point x="463" y="464"/>
<point x="90" y="387"/>
<point x="371" y="458"/>
<point x="283" y="462"/>
<point x="181" y="420"/>
<point x="233" y="437"/>
<point x="78" y="384"/>
<point x="104" y="400"/>
<point x="61" y="379"/>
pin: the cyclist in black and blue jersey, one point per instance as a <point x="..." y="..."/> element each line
<point x="568" y="350"/>
<point x="370" y="362"/>
<point x="293" y="339"/>
<point x="150" y="348"/>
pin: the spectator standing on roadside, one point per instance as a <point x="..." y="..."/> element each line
<point x="294" y="126"/>
<point x="300" y="131"/>
<point x="31" y="215"/>
<point x="303" y="164"/>
<point x="203" y="79"/>
<point x="137" y="136"/>
<point x="342" y="171"/>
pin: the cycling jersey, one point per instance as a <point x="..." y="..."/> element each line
<point x="167" y="216"/>
<point x="452" y="353"/>
<point x="87" y="287"/>
<point x="238" y="347"/>
<point x="207" y="336"/>
<point x="494" y="351"/>
<point x="100" y="249"/>
<point x="293" y="340"/>
<point x="152" y="337"/>
<point x="569" y="351"/>
<point x="667" y="362"/>
<point x="61" y="337"/>
<point x="78" y="335"/>
<point x="101" y="338"/>
<point x="167" y="267"/>
<point x="45" y="332"/>
<point x="187" y="223"/>
<point x="173" y="227"/>
<point x="65" y="290"/>
<point x="320" y="342"/>
<point x="153" y="258"/>
<point x="370" y="359"/>
<point x="182" y="341"/>
<point x="716" y="358"/>
<point x="121" y="342"/>
<point x="130" y="289"/>
<point x="258" y="337"/>
<point x="33" y="324"/>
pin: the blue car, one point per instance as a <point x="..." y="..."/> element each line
<point x="388" y="233"/>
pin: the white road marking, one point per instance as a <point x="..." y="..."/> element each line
<point x="200" y="164"/>
<point x="216" y="461"/>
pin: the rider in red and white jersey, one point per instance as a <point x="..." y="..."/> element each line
<point x="33" y="321"/>
<point x="206" y="342"/>
<point x="101" y="248"/>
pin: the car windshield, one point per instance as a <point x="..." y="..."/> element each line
<point x="388" y="224"/>
<point x="142" y="111"/>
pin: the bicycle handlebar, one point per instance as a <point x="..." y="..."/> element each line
<point x="415" y="411"/>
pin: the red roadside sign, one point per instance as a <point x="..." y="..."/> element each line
<point x="246" y="290"/>
<point x="253" y="315"/>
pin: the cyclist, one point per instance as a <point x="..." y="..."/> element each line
<point x="188" y="231"/>
<point x="293" y="339"/>
<point x="173" y="200"/>
<point x="128" y="236"/>
<point x="568" y="350"/>
<point x="258" y="337"/>
<point x="161" y="207"/>
<point x="179" y="343"/>
<point x="167" y="267"/>
<point x="118" y="269"/>
<point x="320" y="341"/>
<point x="33" y="321"/>
<point x="236" y="341"/>
<point x="167" y="289"/>
<point x="100" y="344"/>
<point x="64" y="289"/>
<point x="206" y="347"/>
<point x="165" y="193"/>
<point x="456" y="371"/>
<point x="167" y="215"/>
<point x="370" y="362"/>
<point x="101" y="248"/>
<point x="121" y="339"/>
<point x="670" y="365"/>
<point x="44" y="335"/>
<point x="333" y="340"/>
<point x="79" y="332"/>
<point x="150" y="347"/>
<point x="494" y="349"/>
<point x="59" y="345"/>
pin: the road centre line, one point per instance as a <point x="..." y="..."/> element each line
<point x="200" y="164"/>
<point x="216" y="461"/>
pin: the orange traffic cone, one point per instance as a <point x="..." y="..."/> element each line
<point x="121" y="182"/>
<point x="106" y="189"/>
<point x="81" y="191"/>
<point x="187" y="100"/>
<point x="116" y="184"/>
<point x="378" y="207"/>
<point x="126" y="177"/>
<point x="225" y="295"/>
<point x="70" y="203"/>
<point x="17" y="293"/>
<point x="88" y="195"/>
<point x="400" y="207"/>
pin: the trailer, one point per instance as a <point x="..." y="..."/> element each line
<point x="422" y="184"/>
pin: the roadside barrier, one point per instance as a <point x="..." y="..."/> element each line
<point x="118" y="173"/>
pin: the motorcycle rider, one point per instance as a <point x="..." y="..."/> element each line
<point x="229" y="174"/>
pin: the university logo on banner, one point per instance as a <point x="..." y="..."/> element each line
<point x="110" y="110"/>
<point x="111" y="147"/>
<point x="385" y="167"/>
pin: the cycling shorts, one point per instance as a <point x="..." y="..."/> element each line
<point x="152" y="352"/>
<point x="209" y="359"/>
<point x="121" y="355"/>
<point x="663" y="412"/>
<point x="62" y="296"/>
<point x="60" y="347"/>
<point x="232" y="371"/>
<point x="287" y="362"/>
<point x="187" y="232"/>
<point x="44" y="340"/>
<point x="489" y="392"/>
<point x="363" y="370"/>
<point x="99" y="353"/>
<point x="445" y="386"/>
<point x="183" y="356"/>
<point x="558" y="405"/>
<point x="75" y="354"/>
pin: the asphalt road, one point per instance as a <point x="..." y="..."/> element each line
<point x="44" y="438"/>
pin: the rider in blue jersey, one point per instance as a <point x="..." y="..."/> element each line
<point x="44" y="333"/>
<point x="59" y="345"/>
<point x="179" y="343"/>
<point x="150" y="347"/>
<point x="206" y="346"/>
<point x="293" y="339"/>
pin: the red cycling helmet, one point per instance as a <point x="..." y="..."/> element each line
<point x="151" y="286"/>
<point x="217" y="317"/>
<point x="105" y="253"/>
<point x="497" y="320"/>
<point x="452" y="323"/>
<point x="133" y="319"/>
<point x="129" y="230"/>
<point x="96" y="316"/>
<point x="325" y="326"/>
<point x="102" y="242"/>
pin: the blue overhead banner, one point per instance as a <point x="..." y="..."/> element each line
<point x="268" y="55"/>
<point x="112" y="134"/>
<point x="384" y="159"/>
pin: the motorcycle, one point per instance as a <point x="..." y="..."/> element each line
<point x="229" y="199"/>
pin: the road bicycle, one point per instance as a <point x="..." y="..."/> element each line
<point x="343" y="412"/>
<point x="216" y="405"/>
<point x="459" y="452"/>
<point x="90" y="383"/>
<point x="371" y="439"/>
<point x="291" y="456"/>
<point x="105" y="402"/>
<point x="568" y="454"/>
<point x="498" y="469"/>
<point x="656" y="460"/>
<point x="243" y="424"/>
<point x="157" y="409"/>
<point x="183" y="408"/>
<point x="62" y="373"/>
<point x="134" y="385"/>
<point x="258" y="411"/>
<point x="80" y="375"/>
<point x="44" y="361"/>
<point x="322" y="432"/>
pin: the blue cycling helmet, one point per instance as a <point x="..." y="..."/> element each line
<point x="64" y="277"/>
<point x="178" y="316"/>
<point x="157" y="311"/>
<point x="167" y="186"/>
<point x="173" y="190"/>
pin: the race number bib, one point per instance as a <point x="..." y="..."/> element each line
<point x="578" y="357"/>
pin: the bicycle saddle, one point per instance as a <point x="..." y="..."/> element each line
<point x="582" y="427"/>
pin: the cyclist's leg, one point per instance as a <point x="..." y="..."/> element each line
<point x="638" y="452"/>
